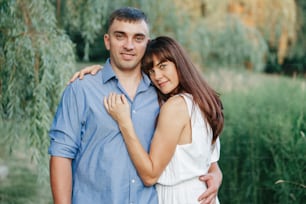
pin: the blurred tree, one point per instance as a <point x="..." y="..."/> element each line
<point x="217" y="38"/>
<point x="85" y="21"/>
<point x="36" y="58"/>
<point x="82" y="17"/>
<point x="295" y="62"/>
<point x="200" y="25"/>
<point x="275" y="38"/>
<point x="278" y="27"/>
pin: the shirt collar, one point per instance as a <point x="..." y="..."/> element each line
<point x="108" y="73"/>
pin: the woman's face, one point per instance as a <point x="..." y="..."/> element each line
<point x="164" y="76"/>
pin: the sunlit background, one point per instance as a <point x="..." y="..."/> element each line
<point x="253" y="52"/>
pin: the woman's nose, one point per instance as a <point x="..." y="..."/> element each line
<point x="157" y="74"/>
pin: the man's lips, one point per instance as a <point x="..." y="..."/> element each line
<point x="127" y="56"/>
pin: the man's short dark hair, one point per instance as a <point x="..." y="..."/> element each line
<point x="128" y="14"/>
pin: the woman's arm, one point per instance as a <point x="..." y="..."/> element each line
<point x="166" y="136"/>
<point x="93" y="69"/>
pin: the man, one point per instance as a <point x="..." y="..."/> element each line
<point x="89" y="162"/>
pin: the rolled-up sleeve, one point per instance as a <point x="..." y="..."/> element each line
<point x="65" y="132"/>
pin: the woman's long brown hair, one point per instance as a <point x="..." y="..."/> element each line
<point x="190" y="80"/>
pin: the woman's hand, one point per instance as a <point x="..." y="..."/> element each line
<point x="118" y="107"/>
<point x="93" y="69"/>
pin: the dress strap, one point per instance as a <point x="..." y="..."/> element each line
<point x="188" y="99"/>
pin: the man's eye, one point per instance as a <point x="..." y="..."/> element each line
<point x="119" y="36"/>
<point x="139" y="38"/>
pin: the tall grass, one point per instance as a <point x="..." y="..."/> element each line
<point x="263" y="154"/>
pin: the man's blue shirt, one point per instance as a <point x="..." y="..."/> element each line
<point x="82" y="130"/>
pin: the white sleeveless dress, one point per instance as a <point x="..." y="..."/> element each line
<point x="179" y="183"/>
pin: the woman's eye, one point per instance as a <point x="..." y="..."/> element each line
<point x="162" y="66"/>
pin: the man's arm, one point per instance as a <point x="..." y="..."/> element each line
<point x="213" y="180"/>
<point x="61" y="179"/>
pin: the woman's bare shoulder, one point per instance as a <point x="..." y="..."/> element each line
<point x="175" y="104"/>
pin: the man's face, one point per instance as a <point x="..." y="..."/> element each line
<point x="127" y="43"/>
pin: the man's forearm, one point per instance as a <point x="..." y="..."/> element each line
<point x="214" y="168"/>
<point x="61" y="180"/>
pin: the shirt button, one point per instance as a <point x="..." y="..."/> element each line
<point x="133" y="180"/>
<point x="134" y="111"/>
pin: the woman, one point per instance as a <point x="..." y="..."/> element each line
<point x="185" y="141"/>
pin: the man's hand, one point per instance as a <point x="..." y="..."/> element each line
<point x="213" y="180"/>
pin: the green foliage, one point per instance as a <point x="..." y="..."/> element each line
<point x="263" y="144"/>
<point x="295" y="63"/>
<point x="212" y="42"/>
<point x="36" y="60"/>
<point x="230" y="44"/>
<point x="299" y="48"/>
<point x="86" y="18"/>
<point x="163" y="22"/>
<point x="85" y="21"/>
